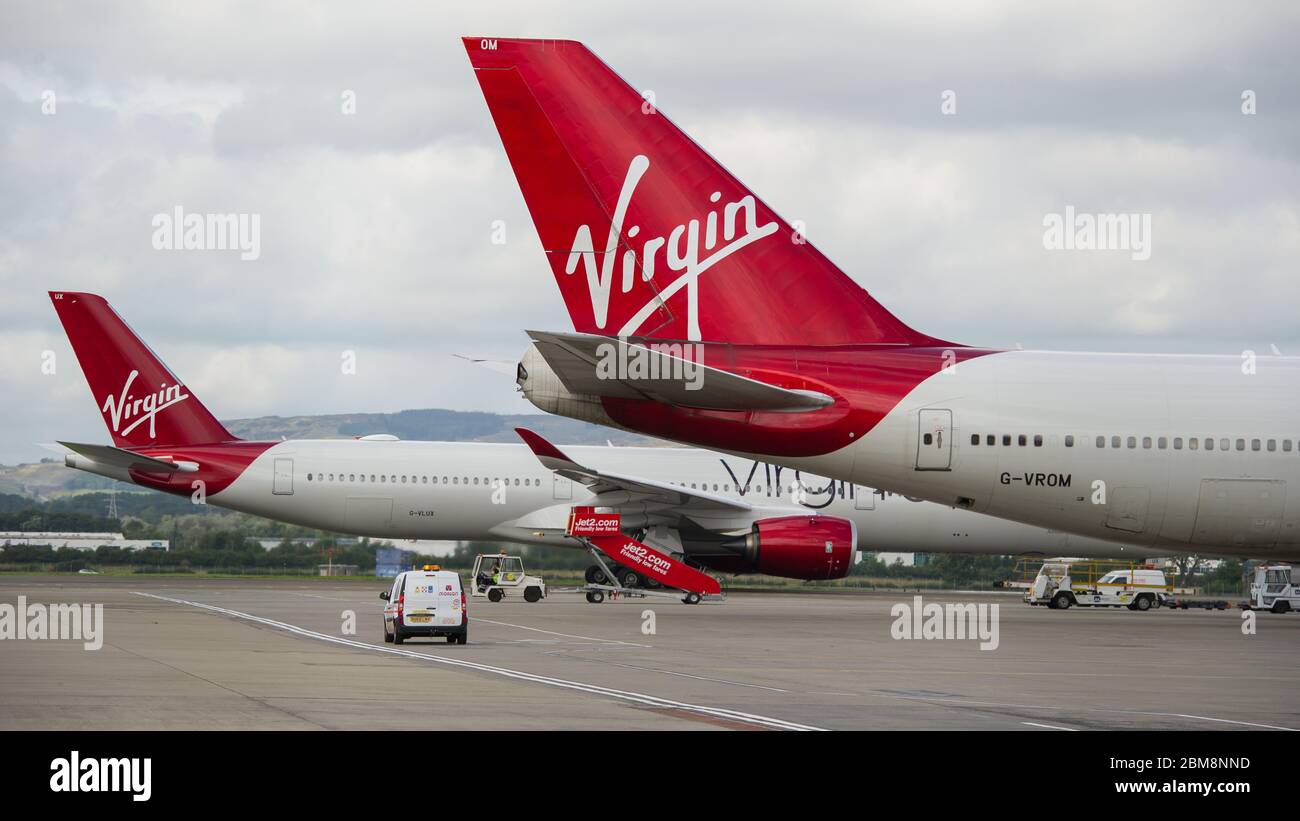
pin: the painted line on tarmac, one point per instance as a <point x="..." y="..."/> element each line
<point x="565" y="635"/>
<point x="973" y="703"/>
<point x="670" y="672"/>
<point x="623" y="695"/>
<point x="1050" y="726"/>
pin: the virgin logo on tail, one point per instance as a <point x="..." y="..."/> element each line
<point x="681" y="253"/>
<point x="127" y="408"/>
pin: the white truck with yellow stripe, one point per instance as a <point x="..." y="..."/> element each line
<point x="1062" y="584"/>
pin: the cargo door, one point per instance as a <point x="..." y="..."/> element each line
<point x="1239" y="512"/>
<point x="368" y="516"/>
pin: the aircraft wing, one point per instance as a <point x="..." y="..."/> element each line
<point x="575" y="359"/>
<point x="599" y="482"/>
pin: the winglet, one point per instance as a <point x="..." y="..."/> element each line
<point x="551" y="457"/>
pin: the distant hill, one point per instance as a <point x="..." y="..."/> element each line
<point x="49" y="479"/>
<point x="432" y="425"/>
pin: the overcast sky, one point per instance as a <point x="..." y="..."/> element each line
<point x="376" y="227"/>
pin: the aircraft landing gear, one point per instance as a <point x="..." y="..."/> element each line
<point x="629" y="578"/>
<point x="596" y="575"/>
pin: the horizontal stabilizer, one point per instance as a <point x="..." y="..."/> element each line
<point x="110" y="456"/>
<point x="582" y="363"/>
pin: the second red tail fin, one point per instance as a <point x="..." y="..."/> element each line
<point x="646" y="233"/>
<point x="142" y="402"/>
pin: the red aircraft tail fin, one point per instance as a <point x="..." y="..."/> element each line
<point x="647" y="234"/>
<point x="143" y="403"/>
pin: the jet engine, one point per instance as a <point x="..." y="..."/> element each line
<point x="800" y="547"/>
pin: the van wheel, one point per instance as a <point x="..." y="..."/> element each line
<point x="1142" y="603"/>
<point x="1281" y="606"/>
<point x="495" y="594"/>
<point x="1061" y="601"/>
<point x="532" y="594"/>
<point x="388" y="639"/>
<point x="691" y="598"/>
<point x="398" y="638"/>
<point x="453" y="639"/>
<point x="595" y="597"/>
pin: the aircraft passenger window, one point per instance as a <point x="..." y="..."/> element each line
<point x="455" y="480"/>
<point x="1022" y="440"/>
<point x="1038" y="440"/>
<point x="352" y="477"/>
<point x="403" y="478"/>
<point x="1178" y="443"/>
<point x="1101" y="441"/>
<point x="1223" y="444"/>
<point x="1193" y="443"/>
<point x="372" y="477"/>
<point x="1069" y="440"/>
<point x="308" y="477"/>
<point x="1272" y="445"/>
<point x="990" y="440"/>
<point x="974" y="438"/>
<point x="1241" y="444"/>
<point x="1286" y="445"/>
<point x="383" y="478"/>
<point x="1114" y="441"/>
<point x="929" y="438"/>
<point x="1209" y="443"/>
<point x="1006" y="439"/>
<point x="1254" y="444"/>
<point x="1146" y="442"/>
<point x="1162" y="443"/>
<point x="1132" y="442"/>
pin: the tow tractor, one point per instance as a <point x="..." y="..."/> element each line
<point x="1063" y="583"/>
<point x="1273" y="589"/>
<point x="496" y="574"/>
<point x="626" y="567"/>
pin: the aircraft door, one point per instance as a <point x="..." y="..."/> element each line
<point x="934" y="440"/>
<point x="561" y="488"/>
<point x="864" y="498"/>
<point x="282" y="481"/>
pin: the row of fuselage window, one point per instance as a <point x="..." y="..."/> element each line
<point x="489" y="482"/>
<point x="1145" y="442"/>
<point x="421" y="480"/>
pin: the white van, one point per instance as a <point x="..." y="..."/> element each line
<point x="427" y="602"/>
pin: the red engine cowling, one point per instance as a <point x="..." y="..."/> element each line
<point x="801" y="547"/>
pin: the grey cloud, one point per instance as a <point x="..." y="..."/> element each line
<point x="375" y="227"/>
